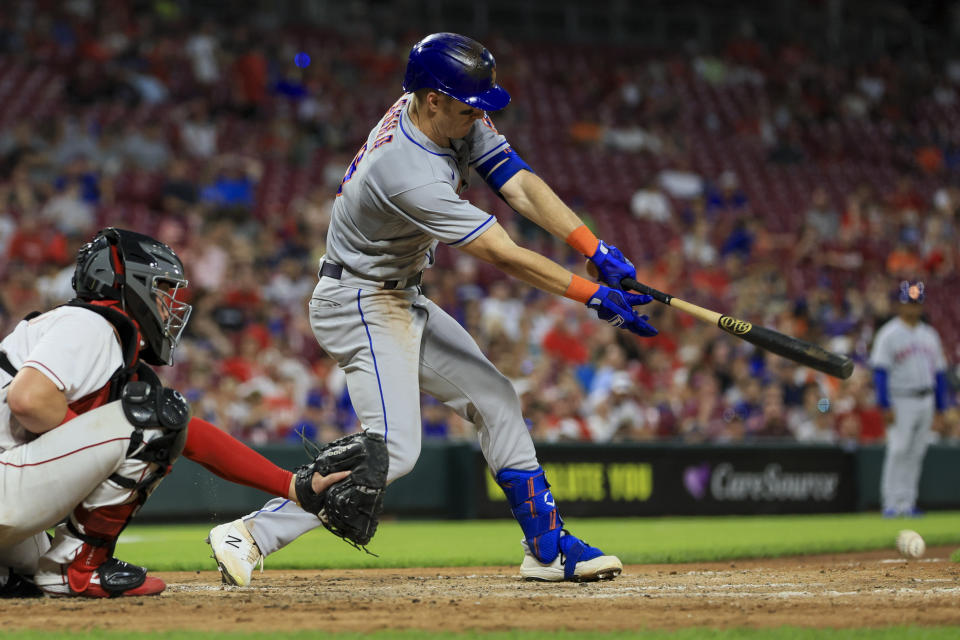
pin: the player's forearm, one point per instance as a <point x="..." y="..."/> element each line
<point x="536" y="270"/>
<point x="535" y="200"/>
<point x="35" y="402"/>
<point x="497" y="248"/>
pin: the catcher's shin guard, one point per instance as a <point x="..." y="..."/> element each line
<point x="528" y="493"/>
<point x="98" y="530"/>
<point x="84" y="545"/>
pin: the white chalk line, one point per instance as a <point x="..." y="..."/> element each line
<point x="606" y="591"/>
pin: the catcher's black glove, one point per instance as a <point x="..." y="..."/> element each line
<point x="350" y="508"/>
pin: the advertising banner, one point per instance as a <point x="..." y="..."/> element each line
<point x="652" y="480"/>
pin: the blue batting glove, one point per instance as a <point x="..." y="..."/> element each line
<point x="616" y="307"/>
<point x="612" y="265"/>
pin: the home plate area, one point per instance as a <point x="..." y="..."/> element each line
<point x="871" y="589"/>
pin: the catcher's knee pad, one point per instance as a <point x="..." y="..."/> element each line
<point x="163" y="411"/>
<point x="532" y="503"/>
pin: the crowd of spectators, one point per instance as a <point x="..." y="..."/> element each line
<point x="206" y="135"/>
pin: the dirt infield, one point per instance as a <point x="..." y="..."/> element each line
<point x="873" y="589"/>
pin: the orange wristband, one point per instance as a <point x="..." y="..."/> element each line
<point x="581" y="289"/>
<point x="583" y="240"/>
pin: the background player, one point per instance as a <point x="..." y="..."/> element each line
<point x="398" y="199"/>
<point x="911" y="384"/>
<point x="65" y="438"/>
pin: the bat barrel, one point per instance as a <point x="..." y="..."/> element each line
<point x="800" y="351"/>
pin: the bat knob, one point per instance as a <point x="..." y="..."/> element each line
<point x="592" y="270"/>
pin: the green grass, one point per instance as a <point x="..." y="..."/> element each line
<point x="496" y="542"/>
<point x="782" y="633"/>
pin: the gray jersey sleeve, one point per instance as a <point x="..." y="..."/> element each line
<point x="940" y="360"/>
<point x="880" y="356"/>
<point x="484" y="140"/>
<point x="439" y="211"/>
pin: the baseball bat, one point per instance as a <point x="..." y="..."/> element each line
<point x="800" y="351"/>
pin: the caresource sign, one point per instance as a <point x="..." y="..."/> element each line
<point x="771" y="484"/>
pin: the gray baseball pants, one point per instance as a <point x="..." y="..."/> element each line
<point x="393" y="344"/>
<point x="907" y="441"/>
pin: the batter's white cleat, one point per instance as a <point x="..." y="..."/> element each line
<point x="576" y="562"/>
<point x="235" y="551"/>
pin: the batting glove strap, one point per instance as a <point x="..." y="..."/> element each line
<point x="612" y="265"/>
<point x="616" y="308"/>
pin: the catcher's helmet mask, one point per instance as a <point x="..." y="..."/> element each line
<point x="144" y="276"/>
<point x="457" y="66"/>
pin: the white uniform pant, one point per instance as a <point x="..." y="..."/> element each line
<point x="42" y="481"/>
<point x="907" y="441"/>
<point x="393" y="344"/>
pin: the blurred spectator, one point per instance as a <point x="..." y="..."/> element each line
<point x="36" y="243"/>
<point x="179" y="188"/>
<point x="632" y="140"/>
<point x="233" y="181"/>
<point x="649" y="203"/>
<point x="250" y="78"/>
<point x="681" y="182"/>
<point x="812" y="422"/>
<point x="821" y="218"/>
<point x="198" y="130"/>
<point x="145" y="147"/>
<point x="202" y="48"/>
<point x="435" y="423"/>
<point x="697" y="246"/>
<point x="69" y="212"/>
<point x="132" y="121"/>
<point x="726" y="197"/>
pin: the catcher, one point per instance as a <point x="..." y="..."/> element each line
<point x="87" y="431"/>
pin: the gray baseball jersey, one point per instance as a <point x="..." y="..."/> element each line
<point x="398" y="199"/>
<point x="400" y="196"/>
<point x="911" y="357"/>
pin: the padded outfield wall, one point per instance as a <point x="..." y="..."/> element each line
<point x="452" y="481"/>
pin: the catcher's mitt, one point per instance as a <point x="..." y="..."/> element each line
<point x="350" y="508"/>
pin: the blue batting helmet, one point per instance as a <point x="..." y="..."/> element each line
<point x="911" y="292"/>
<point x="457" y="66"/>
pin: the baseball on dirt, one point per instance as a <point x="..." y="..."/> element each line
<point x="910" y="544"/>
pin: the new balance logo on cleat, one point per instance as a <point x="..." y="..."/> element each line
<point x="235" y="552"/>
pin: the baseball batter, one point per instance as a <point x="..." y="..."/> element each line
<point x="398" y="199"/>
<point x="911" y="384"/>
